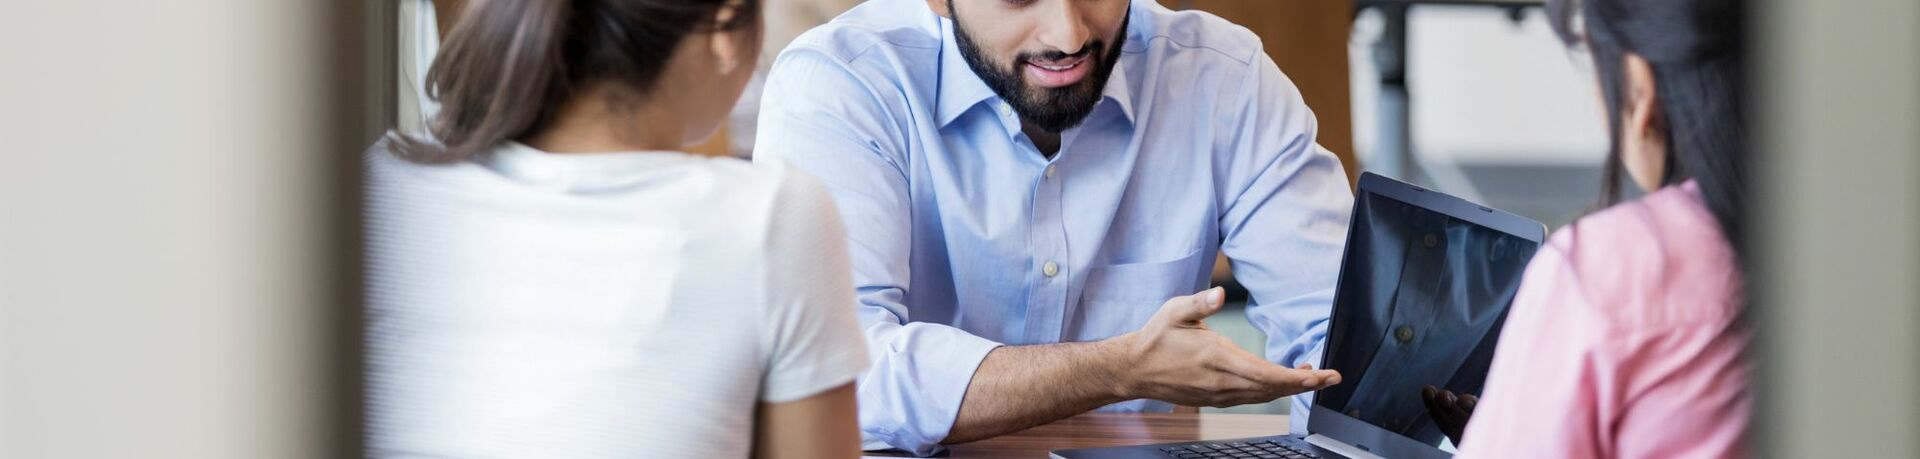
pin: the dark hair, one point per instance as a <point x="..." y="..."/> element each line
<point x="1694" y="48"/>
<point x="507" y="65"/>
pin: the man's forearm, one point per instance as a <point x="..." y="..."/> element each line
<point x="1017" y="387"/>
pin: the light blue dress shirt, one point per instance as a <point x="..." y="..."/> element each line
<point x="964" y="237"/>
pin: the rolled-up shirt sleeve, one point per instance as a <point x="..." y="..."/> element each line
<point x="1284" y="223"/>
<point x="818" y="116"/>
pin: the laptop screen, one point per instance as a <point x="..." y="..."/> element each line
<point x="1421" y="300"/>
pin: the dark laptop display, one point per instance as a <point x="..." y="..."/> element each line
<point x="1421" y="301"/>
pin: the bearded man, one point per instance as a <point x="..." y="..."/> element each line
<point x="1034" y="190"/>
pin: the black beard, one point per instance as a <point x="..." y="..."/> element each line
<point x="1051" y="109"/>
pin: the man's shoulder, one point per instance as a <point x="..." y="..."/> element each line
<point x="898" y="29"/>
<point x="1194" y="33"/>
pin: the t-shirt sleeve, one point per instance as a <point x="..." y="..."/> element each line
<point x="810" y="337"/>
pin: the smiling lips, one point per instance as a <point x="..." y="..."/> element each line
<point x="1057" y="73"/>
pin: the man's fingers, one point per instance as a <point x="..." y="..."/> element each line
<point x="1252" y="380"/>
<point x="1268" y="374"/>
<point x="1467" y="402"/>
<point x="1245" y="365"/>
<point x="1196" y="307"/>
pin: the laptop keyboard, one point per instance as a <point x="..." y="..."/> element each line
<point x="1263" y="449"/>
<point x="1239" y="450"/>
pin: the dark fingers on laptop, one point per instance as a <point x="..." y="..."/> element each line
<point x="1450" y="411"/>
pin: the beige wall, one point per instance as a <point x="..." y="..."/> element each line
<point x="171" y="184"/>
<point x="1838" y="282"/>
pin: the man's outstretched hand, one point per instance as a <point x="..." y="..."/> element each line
<point x="1176" y="358"/>
<point x="1173" y="358"/>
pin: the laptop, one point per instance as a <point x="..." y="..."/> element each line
<point x="1423" y="291"/>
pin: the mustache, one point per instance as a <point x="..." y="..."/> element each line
<point x="1093" y="48"/>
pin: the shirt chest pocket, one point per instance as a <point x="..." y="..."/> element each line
<point x="1120" y="298"/>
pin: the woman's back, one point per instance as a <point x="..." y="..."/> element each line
<point x="1628" y="335"/>
<point x="1626" y="339"/>
<point x="531" y="304"/>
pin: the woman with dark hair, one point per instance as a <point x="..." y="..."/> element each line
<point x="1628" y="335"/>
<point x="549" y="276"/>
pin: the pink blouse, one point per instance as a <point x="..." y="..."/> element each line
<point x="1625" y="340"/>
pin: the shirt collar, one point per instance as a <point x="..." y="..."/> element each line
<point x="960" y="89"/>
<point x="1119" y="91"/>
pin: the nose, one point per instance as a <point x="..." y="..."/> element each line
<point x="1065" y="28"/>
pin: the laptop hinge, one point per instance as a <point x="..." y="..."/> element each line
<point x="1340" y="447"/>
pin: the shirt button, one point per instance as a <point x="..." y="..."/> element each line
<point x="1050" y="269"/>
<point x="1049" y="171"/>
<point x="1431" y="240"/>
<point x="1404" y="333"/>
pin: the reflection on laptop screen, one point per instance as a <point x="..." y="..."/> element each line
<point x="1422" y="297"/>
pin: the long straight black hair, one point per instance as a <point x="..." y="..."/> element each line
<point x="1695" y="50"/>
<point x="507" y="65"/>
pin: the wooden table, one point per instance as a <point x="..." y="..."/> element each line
<point x="1095" y="430"/>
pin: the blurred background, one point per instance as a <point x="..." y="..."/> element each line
<point x="178" y="212"/>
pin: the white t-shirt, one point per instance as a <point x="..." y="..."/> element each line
<point x="526" y="304"/>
